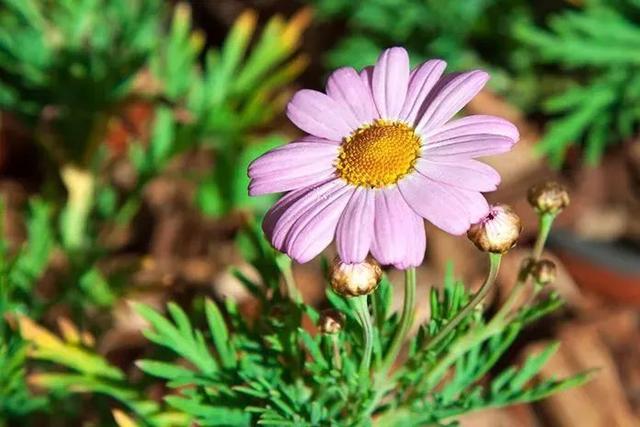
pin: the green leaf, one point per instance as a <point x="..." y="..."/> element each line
<point x="164" y="370"/>
<point x="532" y="366"/>
<point x="34" y="256"/>
<point x="183" y="340"/>
<point x="220" y="334"/>
<point x="210" y="199"/>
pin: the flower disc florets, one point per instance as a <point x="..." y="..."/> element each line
<point x="378" y="155"/>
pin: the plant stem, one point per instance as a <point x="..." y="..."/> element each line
<point x="459" y="348"/>
<point x="406" y="320"/>
<point x="361" y="309"/>
<point x="545" y="222"/>
<point x="285" y="265"/>
<point x="494" y="266"/>
<point x="381" y="385"/>
<point x="337" y="361"/>
<point x="80" y="184"/>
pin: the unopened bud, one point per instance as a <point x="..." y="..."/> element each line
<point x="331" y="321"/>
<point x="498" y="231"/>
<point x="352" y="280"/>
<point x="548" y="197"/>
<point x="544" y="272"/>
<point x="525" y="268"/>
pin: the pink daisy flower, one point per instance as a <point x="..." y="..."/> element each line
<point x="381" y="154"/>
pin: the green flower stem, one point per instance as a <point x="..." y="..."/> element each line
<point x="361" y="308"/>
<point x="494" y="266"/>
<point x="406" y="320"/>
<point x="513" y="295"/>
<point x="381" y="383"/>
<point x="545" y="223"/>
<point x="286" y="268"/>
<point x="335" y="350"/>
<point x="461" y="346"/>
<point x="498" y="322"/>
<point x="80" y="184"/>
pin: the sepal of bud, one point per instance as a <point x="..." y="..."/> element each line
<point x="498" y="231"/>
<point x="352" y="280"/>
<point x="544" y="272"/>
<point x="548" y="197"/>
<point x="331" y="321"/>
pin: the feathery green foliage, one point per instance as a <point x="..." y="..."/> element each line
<point x="465" y="33"/>
<point x="601" y="104"/>
<point x="271" y="371"/>
<point x="66" y="64"/>
<point x="17" y="275"/>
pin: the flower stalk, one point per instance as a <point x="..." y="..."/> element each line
<point x="361" y="308"/>
<point x="80" y="184"/>
<point x="286" y="268"/>
<point x="545" y="221"/>
<point x="406" y="320"/>
<point x="494" y="267"/>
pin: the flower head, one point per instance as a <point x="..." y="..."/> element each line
<point x="382" y="152"/>
<point x="544" y="272"/>
<point x="331" y="321"/>
<point x="352" y="280"/>
<point x="548" y="197"/>
<point x="498" y="231"/>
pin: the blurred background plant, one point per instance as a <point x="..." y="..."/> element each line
<point x="101" y="85"/>
<point x="73" y="68"/>
<point x="589" y="86"/>
<point x="598" y="103"/>
<point x="463" y="33"/>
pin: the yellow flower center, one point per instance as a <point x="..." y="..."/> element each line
<point x="378" y="154"/>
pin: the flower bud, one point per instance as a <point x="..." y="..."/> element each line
<point x="498" y="231"/>
<point x="331" y="321"/>
<point x="544" y="272"/>
<point x="525" y="268"/>
<point x="357" y="279"/>
<point x="548" y="197"/>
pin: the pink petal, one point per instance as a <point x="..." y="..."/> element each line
<point x="346" y="87"/>
<point x="439" y="203"/>
<point x="314" y="230"/>
<point x="449" y="96"/>
<point x="473" y="125"/>
<point x="422" y="81"/>
<point x="319" y="115"/>
<point x="474" y="204"/>
<point x="294" y="165"/>
<point x="467" y="146"/>
<point x="355" y="228"/>
<point x="276" y="212"/>
<point x="390" y="82"/>
<point x="366" y="75"/>
<point x="399" y="237"/>
<point x="283" y="215"/>
<point x="463" y="173"/>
